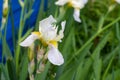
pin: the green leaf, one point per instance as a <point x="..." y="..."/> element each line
<point x="24" y="68"/>
<point x="116" y="75"/>
<point x="100" y="46"/>
<point x="69" y="75"/>
<point x="111" y="54"/>
<point x="4" y="72"/>
<point x="117" y="31"/>
<point x="6" y="53"/>
<point x="97" y="66"/>
<point x="11" y="69"/>
<point x="26" y="34"/>
<point x="27" y="15"/>
<point x="96" y="56"/>
<point x="40" y="15"/>
<point x="75" y="67"/>
<point x="83" y="69"/>
<point x="101" y="22"/>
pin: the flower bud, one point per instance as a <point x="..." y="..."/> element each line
<point x="31" y="52"/>
<point x="40" y="54"/>
<point x="41" y="68"/>
<point x="32" y="77"/>
<point x="31" y="67"/>
<point x="5" y="8"/>
<point x="21" y="3"/>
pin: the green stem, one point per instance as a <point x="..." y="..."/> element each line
<point x="19" y="36"/>
<point x="109" y="25"/>
<point x="13" y="29"/>
<point x="3" y="36"/>
<point x="62" y="14"/>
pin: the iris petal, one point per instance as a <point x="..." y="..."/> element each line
<point x="76" y="15"/>
<point x="46" y="23"/>
<point x="61" y="32"/>
<point x="118" y="1"/>
<point x="54" y="56"/>
<point x="29" y="40"/>
<point x="61" y="2"/>
<point x="47" y="28"/>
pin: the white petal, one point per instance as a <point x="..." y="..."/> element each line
<point x="118" y="1"/>
<point x="45" y="23"/>
<point x="76" y="15"/>
<point x="29" y="40"/>
<point x="63" y="25"/>
<point x="85" y="1"/>
<point x="61" y="2"/>
<point x="49" y="34"/>
<point x="61" y="32"/>
<point x="47" y="28"/>
<point x="54" y="56"/>
<point x="79" y="3"/>
<point x="5" y="5"/>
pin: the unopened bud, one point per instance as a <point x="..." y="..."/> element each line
<point x="32" y="77"/>
<point x="31" y="67"/>
<point x="40" y="54"/>
<point x="21" y="3"/>
<point x="5" y="8"/>
<point x="111" y="8"/>
<point x="41" y="68"/>
<point x="31" y="52"/>
<point x="3" y="20"/>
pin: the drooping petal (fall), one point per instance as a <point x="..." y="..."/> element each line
<point x="76" y="4"/>
<point x="76" y="15"/>
<point x="29" y="40"/>
<point x="54" y="56"/>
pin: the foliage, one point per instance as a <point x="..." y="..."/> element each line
<point x="90" y="48"/>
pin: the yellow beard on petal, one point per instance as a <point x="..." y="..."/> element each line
<point x="54" y="43"/>
<point x="70" y="4"/>
<point x="36" y="33"/>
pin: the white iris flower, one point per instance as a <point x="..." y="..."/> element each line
<point x="48" y="35"/>
<point x="76" y="4"/>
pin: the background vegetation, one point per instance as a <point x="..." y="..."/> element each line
<point x="91" y="49"/>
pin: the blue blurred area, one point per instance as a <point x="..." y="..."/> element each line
<point x="16" y="9"/>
